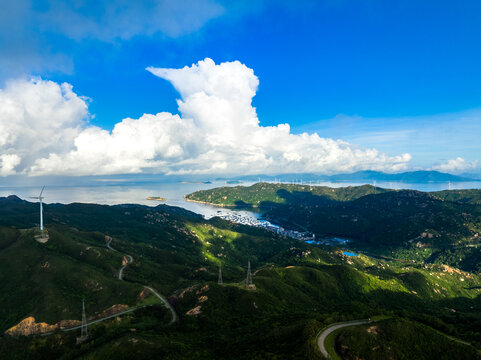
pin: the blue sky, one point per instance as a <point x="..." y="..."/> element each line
<point x="397" y="76"/>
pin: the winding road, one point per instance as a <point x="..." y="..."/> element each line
<point x="130" y="259"/>
<point x="324" y="333"/>
<point x="166" y="303"/>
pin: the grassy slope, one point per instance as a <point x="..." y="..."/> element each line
<point x="50" y="280"/>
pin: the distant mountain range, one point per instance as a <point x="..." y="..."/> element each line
<point x="368" y="175"/>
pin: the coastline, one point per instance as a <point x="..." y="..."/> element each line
<point x="219" y="205"/>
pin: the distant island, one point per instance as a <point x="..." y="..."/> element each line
<point x="156" y="198"/>
<point x="196" y="182"/>
<point x="368" y="175"/>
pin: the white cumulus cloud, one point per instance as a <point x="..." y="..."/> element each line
<point x="217" y="132"/>
<point x="37" y="118"/>
<point x="457" y="165"/>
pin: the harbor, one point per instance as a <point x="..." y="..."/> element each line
<point x="264" y="224"/>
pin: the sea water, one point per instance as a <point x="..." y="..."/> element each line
<point x="128" y="191"/>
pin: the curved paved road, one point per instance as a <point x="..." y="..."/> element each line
<point x="166" y="303"/>
<point x="324" y="333"/>
<point x="130" y="259"/>
<point x="108" y="244"/>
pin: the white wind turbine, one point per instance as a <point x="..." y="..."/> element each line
<point x="40" y="198"/>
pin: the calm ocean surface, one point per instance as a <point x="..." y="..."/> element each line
<point x="174" y="193"/>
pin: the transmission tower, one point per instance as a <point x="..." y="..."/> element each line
<point x="84" y="321"/>
<point x="219" y="281"/>
<point x="249" y="274"/>
<point x="83" y="333"/>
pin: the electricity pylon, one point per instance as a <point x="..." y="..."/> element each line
<point x="83" y="332"/>
<point x="84" y="321"/>
<point x="249" y="274"/>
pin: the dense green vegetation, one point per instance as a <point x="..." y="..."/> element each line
<point x="49" y="281"/>
<point x="268" y="195"/>
<point x="472" y="196"/>
<point x="442" y="227"/>
<point x="400" y="339"/>
<point x="300" y="288"/>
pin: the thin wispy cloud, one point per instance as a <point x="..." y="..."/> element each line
<point x="29" y="29"/>
<point x="430" y="137"/>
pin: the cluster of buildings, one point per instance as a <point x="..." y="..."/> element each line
<point x="264" y="224"/>
<point x="251" y="221"/>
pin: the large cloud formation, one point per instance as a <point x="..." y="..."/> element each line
<point x="37" y="118"/>
<point x="44" y="130"/>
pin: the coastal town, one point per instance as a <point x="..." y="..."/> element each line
<point x="306" y="236"/>
<point x="264" y="224"/>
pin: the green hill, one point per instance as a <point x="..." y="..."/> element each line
<point x="300" y="288"/>
<point x="444" y="227"/>
<point x="267" y="195"/>
<point x="471" y="196"/>
<point x="49" y="281"/>
<point x="400" y="339"/>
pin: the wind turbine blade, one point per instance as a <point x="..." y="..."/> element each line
<point x="41" y="191"/>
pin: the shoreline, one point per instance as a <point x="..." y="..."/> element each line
<point x="220" y="205"/>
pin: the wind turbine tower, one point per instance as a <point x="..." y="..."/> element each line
<point x="40" y="198"/>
